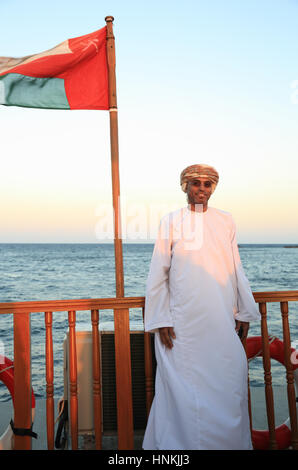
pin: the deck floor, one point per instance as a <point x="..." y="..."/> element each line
<point x="110" y="441"/>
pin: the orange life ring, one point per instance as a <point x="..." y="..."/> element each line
<point x="7" y="377"/>
<point x="260" y="439"/>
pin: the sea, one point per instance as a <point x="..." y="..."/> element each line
<point x="30" y="272"/>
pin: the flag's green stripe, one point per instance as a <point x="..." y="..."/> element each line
<point x="20" y="90"/>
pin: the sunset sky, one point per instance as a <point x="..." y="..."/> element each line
<point x="198" y="81"/>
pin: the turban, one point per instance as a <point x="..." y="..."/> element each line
<point x="198" y="171"/>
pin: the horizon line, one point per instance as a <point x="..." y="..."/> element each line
<point x="132" y="243"/>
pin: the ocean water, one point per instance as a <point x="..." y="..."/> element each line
<point x="31" y="272"/>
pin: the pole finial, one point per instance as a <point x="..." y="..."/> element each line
<point x="109" y="19"/>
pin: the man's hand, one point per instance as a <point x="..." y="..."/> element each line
<point x="166" y="334"/>
<point x="245" y="328"/>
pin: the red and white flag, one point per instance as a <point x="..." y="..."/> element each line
<point x="72" y="75"/>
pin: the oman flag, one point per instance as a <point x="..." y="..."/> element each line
<point x="72" y="75"/>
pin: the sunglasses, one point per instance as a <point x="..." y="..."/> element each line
<point x="206" y="184"/>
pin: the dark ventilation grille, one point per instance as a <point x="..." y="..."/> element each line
<point x="138" y="380"/>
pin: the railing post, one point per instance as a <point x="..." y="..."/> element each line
<point x="123" y="380"/>
<point x="22" y="379"/>
<point x="49" y="380"/>
<point x="290" y="375"/>
<point x="73" y="388"/>
<point x="96" y="354"/>
<point x="267" y="376"/>
<point x="148" y="369"/>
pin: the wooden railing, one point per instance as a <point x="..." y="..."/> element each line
<point x="22" y="365"/>
<point x="262" y="298"/>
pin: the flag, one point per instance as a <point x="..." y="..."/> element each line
<point x="72" y="75"/>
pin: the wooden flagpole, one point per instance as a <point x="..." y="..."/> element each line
<point x="121" y="316"/>
<point x="115" y="156"/>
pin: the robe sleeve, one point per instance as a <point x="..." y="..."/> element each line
<point x="157" y="301"/>
<point x="247" y="308"/>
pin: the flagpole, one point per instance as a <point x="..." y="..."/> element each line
<point x="121" y="316"/>
<point x="111" y="59"/>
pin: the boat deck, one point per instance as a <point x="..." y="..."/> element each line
<point x="109" y="442"/>
<point x="277" y="403"/>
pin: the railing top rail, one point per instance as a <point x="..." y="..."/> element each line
<point x="276" y="296"/>
<point x="72" y="304"/>
<point x="117" y="303"/>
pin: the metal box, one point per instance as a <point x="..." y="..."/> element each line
<point x="108" y="380"/>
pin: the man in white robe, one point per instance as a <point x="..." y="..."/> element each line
<point x="197" y="300"/>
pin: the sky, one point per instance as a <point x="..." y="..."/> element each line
<point x="202" y="81"/>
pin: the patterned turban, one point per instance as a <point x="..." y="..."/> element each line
<point x="198" y="171"/>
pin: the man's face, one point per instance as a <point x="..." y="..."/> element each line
<point x="199" y="191"/>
